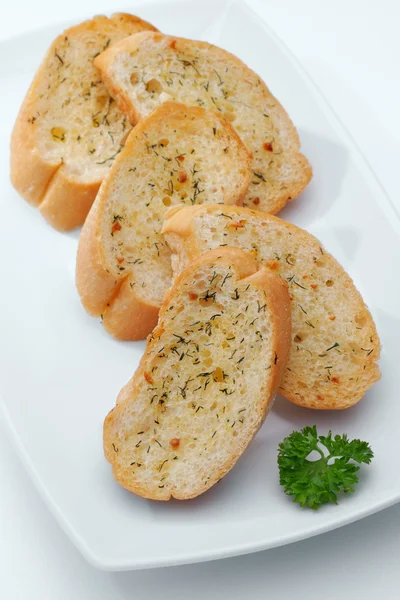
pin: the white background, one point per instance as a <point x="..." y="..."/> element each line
<point x="352" y="51"/>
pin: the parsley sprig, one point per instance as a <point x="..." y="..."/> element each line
<point x="313" y="483"/>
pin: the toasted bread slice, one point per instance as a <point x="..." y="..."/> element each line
<point x="177" y="154"/>
<point x="335" y="345"/>
<point x="69" y="129"/>
<point x="148" y="68"/>
<point x="209" y="373"/>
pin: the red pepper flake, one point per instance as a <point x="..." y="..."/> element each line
<point x="319" y="397"/>
<point x="335" y="379"/>
<point x="175" y="442"/>
<point x="120" y="260"/>
<point x="180" y="158"/>
<point x="148" y="377"/>
<point x="238" y="225"/>
<point x="182" y="176"/>
<point x="116" y="227"/>
<point x="314" y="286"/>
<point x="172" y="44"/>
<point x="305" y="277"/>
<point x="272" y="264"/>
<point x="256" y="201"/>
<point x="332" y="318"/>
<point x="193" y="296"/>
<point x="268" y="146"/>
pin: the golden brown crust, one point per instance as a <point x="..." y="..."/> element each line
<point x="129" y="317"/>
<point x="64" y="200"/>
<point x="102" y="63"/>
<point x="127" y="17"/>
<point x="304" y="171"/>
<point x="115" y="92"/>
<point x="178" y="229"/>
<point x="276" y="292"/>
<point x="126" y="315"/>
<point x="277" y="295"/>
<point x="291" y="158"/>
<point x="30" y="173"/>
<point x="95" y="285"/>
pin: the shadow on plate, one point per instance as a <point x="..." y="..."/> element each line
<point x="329" y="163"/>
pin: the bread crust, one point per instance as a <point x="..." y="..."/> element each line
<point x="126" y="315"/>
<point x="180" y="235"/>
<point x="129" y="317"/>
<point x="62" y="198"/>
<point x="96" y="286"/>
<point x="277" y="296"/>
<point x="296" y="161"/>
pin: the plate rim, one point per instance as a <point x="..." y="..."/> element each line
<point x="106" y="562"/>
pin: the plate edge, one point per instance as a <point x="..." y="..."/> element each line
<point x="107" y="564"/>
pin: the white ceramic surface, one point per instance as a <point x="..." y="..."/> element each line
<point x="60" y="373"/>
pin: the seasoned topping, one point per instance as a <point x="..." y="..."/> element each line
<point x="148" y="377"/>
<point x="58" y="134"/>
<point x="237" y="224"/>
<point x="116" y="227"/>
<point x="273" y="265"/>
<point x="153" y="86"/>
<point x="182" y="176"/>
<point x="219" y="375"/>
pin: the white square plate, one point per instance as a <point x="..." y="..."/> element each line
<point x="60" y="372"/>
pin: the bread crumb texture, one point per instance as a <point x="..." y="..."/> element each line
<point x="179" y="154"/>
<point x="76" y="122"/>
<point x="202" y="389"/>
<point x="150" y="68"/>
<point x="335" y="345"/>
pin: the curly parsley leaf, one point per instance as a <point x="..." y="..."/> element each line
<point x="313" y="483"/>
